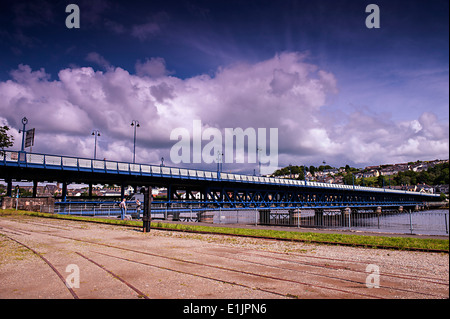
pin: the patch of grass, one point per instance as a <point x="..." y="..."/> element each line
<point x="7" y="212"/>
<point x="402" y="243"/>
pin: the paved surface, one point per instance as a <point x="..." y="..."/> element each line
<point x="47" y="258"/>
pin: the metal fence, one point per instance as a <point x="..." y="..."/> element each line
<point x="420" y="222"/>
<point x="433" y="222"/>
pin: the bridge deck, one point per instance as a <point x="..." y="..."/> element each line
<point x="106" y="167"/>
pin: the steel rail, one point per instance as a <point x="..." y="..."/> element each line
<point x="363" y="284"/>
<point x="72" y="292"/>
<point x="196" y="275"/>
<point x="140" y="293"/>
<point x="396" y="275"/>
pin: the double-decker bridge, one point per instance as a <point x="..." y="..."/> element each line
<point x="207" y="190"/>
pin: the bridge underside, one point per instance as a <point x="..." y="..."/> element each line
<point x="236" y="196"/>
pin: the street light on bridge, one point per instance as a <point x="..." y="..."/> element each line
<point x="134" y="124"/>
<point x="95" y="133"/>
<point x="23" y="131"/>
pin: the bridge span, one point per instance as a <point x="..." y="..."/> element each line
<point x="208" y="189"/>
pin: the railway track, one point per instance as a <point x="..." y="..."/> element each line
<point x="72" y="292"/>
<point x="221" y="271"/>
<point x="362" y="284"/>
<point x="139" y="293"/>
<point x="195" y="275"/>
<point x="387" y="274"/>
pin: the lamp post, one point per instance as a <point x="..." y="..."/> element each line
<point x="353" y="180"/>
<point x="135" y="124"/>
<point x="24" y="122"/>
<point x="259" y="160"/>
<point x="219" y="161"/>
<point x="304" y="173"/>
<point x="95" y="133"/>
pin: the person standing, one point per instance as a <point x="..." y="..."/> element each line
<point x="123" y="208"/>
<point x="138" y="208"/>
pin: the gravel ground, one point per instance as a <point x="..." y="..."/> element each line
<point x="164" y="264"/>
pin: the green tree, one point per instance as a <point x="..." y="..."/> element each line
<point x="439" y="174"/>
<point x="381" y="181"/>
<point x="443" y="178"/>
<point x="348" y="179"/>
<point x="5" y="139"/>
<point x="424" y="178"/>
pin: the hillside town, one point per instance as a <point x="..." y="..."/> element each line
<point x="388" y="174"/>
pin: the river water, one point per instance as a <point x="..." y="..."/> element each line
<point x="430" y="222"/>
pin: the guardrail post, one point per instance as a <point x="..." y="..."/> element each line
<point x="446" y="223"/>
<point x="410" y="221"/>
<point x="349" y="218"/>
<point x="379" y="211"/>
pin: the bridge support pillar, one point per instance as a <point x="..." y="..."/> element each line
<point x="264" y="216"/>
<point x="206" y="217"/>
<point x="169" y="193"/>
<point x="318" y="217"/>
<point x="122" y="191"/>
<point x="64" y="191"/>
<point x="346" y="215"/>
<point x="35" y="184"/>
<point x="9" y="187"/>
<point x="295" y="217"/>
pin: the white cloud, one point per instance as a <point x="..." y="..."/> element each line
<point x="283" y="92"/>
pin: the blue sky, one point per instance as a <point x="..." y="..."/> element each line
<point x="365" y="96"/>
